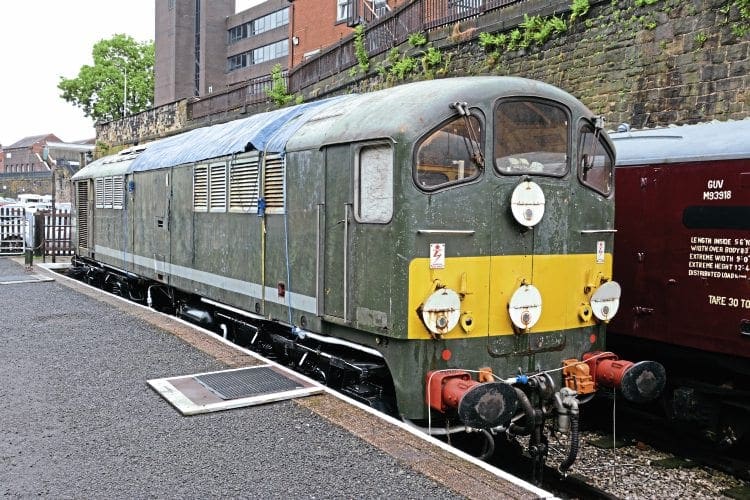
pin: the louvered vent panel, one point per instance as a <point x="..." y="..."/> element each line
<point x="118" y="192"/>
<point x="218" y="187"/>
<point x="99" y="192"/>
<point x="274" y="183"/>
<point x="108" y="192"/>
<point x="200" y="187"/>
<point x="243" y="185"/>
<point x="82" y="202"/>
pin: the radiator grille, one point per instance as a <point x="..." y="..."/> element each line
<point x="82" y="204"/>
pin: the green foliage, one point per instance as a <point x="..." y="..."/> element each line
<point x="514" y="39"/>
<point x="648" y="22"/>
<point x="742" y="27"/>
<point x="643" y="3"/>
<point x="431" y="60"/>
<point x="393" y="55"/>
<point x="363" y="60"/>
<point x="493" y="42"/>
<point x="278" y="91"/>
<point x="700" y="39"/>
<point x="403" y="67"/>
<point x="579" y="8"/>
<point x="99" y="90"/>
<point x="417" y="39"/>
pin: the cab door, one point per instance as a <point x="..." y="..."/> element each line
<point x="338" y="219"/>
<point x="358" y="233"/>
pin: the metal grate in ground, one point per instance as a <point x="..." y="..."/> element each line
<point x="237" y="388"/>
<point x="245" y="383"/>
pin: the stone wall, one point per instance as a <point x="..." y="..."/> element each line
<point x="671" y="62"/>
<point x="13" y="185"/>
<point x="140" y="128"/>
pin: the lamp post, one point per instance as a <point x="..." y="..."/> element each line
<point x="51" y="166"/>
<point x="125" y="94"/>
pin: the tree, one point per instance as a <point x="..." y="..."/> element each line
<point x="119" y="63"/>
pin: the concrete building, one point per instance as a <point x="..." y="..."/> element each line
<point x="190" y="48"/>
<point x="257" y="40"/>
<point x="204" y="47"/>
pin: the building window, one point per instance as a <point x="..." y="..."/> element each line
<point x="238" y="61"/>
<point x="238" y="33"/>
<point x="271" y="21"/>
<point x="272" y="51"/>
<point x="342" y="10"/>
<point x="260" y="25"/>
<point x="259" y="55"/>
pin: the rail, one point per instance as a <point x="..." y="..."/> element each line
<point x="381" y="34"/>
<point x="253" y="91"/>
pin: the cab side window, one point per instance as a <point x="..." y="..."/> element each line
<point x="531" y="137"/>
<point x="595" y="164"/>
<point x="374" y="195"/>
<point x="445" y="155"/>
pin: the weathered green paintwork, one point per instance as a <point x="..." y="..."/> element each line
<point x="361" y="280"/>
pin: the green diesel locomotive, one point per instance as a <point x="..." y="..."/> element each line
<point x="440" y="250"/>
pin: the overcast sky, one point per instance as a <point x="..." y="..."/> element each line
<point x="42" y="40"/>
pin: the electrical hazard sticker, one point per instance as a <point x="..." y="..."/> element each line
<point x="600" y="252"/>
<point x="437" y="255"/>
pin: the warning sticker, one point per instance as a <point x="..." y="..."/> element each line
<point x="437" y="255"/>
<point x="600" y="252"/>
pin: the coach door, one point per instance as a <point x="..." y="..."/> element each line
<point x="641" y="251"/>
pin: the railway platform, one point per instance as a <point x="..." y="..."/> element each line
<point x="80" y="420"/>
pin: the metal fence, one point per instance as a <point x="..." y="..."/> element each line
<point x="381" y="35"/>
<point x="13" y="230"/>
<point x="56" y="232"/>
<point x="250" y="92"/>
<point x="41" y="232"/>
<point x="391" y="31"/>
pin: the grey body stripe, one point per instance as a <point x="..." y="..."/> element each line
<point x="297" y="301"/>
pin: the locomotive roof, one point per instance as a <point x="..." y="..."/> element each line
<point x="409" y="110"/>
<point x="705" y="141"/>
<point x="405" y="111"/>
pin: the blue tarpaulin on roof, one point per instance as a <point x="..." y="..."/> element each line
<point x="263" y="132"/>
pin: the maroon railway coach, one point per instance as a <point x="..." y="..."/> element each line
<point x="683" y="259"/>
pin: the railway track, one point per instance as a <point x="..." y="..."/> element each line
<point x="643" y="424"/>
